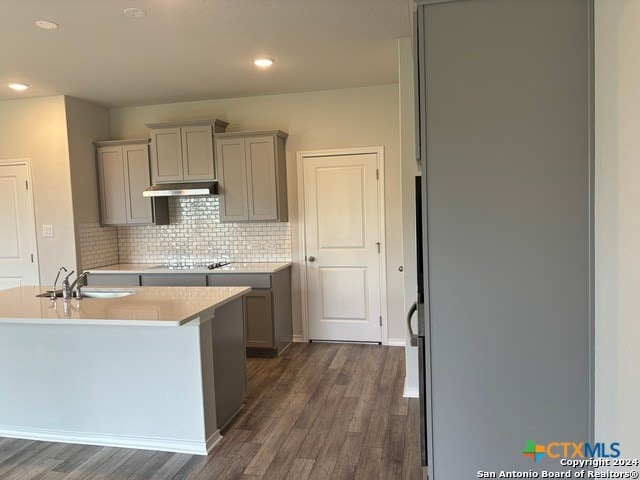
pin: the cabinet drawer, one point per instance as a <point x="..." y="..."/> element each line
<point x="113" y="280"/>
<point x="253" y="280"/>
<point x="174" y="280"/>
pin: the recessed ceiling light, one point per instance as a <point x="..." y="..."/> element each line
<point x="46" y="24"/>
<point x="134" y="12"/>
<point x="18" y="86"/>
<point x="264" y="61"/>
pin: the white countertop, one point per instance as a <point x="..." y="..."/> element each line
<point x="149" y="268"/>
<point x="149" y="306"/>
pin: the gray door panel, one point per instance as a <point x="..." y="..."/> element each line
<point x="508" y="220"/>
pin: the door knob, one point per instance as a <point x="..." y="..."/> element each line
<point x="312" y="258"/>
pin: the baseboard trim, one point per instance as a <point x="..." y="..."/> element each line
<point x="410" y="392"/>
<point x="215" y="438"/>
<point x="392" y="342"/>
<point x="222" y="427"/>
<point x="285" y="348"/>
<point x="120" y="441"/>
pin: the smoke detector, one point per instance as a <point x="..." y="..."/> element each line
<point x="134" y="12"/>
<point x="46" y="24"/>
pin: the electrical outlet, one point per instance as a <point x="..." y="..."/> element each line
<point x="47" y="230"/>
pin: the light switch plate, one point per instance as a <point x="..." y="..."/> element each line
<point x="47" y="230"/>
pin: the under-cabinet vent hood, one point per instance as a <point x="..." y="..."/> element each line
<point x="183" y="189"/>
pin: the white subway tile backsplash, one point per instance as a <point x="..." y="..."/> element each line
<point x="98" y="245"/>
<point x="196" y="235"/>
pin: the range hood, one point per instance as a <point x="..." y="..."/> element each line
<point x="183" y="189"/>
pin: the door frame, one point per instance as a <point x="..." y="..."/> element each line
<point x="382" y="258"/>
<point x="32" y="209"/>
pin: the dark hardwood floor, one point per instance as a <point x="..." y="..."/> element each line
<point x="320" y="411"/>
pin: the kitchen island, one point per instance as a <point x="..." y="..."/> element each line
<point x="159" y="368"/>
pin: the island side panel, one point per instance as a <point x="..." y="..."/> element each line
<point x="209" y="388"/>
<point x="125" y="386"/>
<point x="282" y="315"/>
<point x="228" y="340"/>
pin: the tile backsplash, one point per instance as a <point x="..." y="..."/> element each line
<point x="195" y="234"/>
<point x="98" y="245"/>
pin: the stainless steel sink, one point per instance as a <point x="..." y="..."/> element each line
<point x="96" y="293"/>
<point x="106" y="293"/>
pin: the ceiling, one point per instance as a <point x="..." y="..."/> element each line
<point x="185" y="50"/>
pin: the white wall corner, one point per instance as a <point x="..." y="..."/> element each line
<point x="409" y="392"/>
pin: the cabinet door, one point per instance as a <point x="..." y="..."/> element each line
<point x="136" y="164"/>
<point x="253" y="280"/>
<point x="113" y="280"/>
<point x="261" y="178"/>
<point x="113" y="205"/>
<point x="166" y="155"/>
<point x="197" y="153"/>
<point x="174" y="280"/>
<point x="258" y="319"/>
<point x="232" y="179"/>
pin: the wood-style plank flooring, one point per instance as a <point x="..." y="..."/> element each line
<point x="319" y="412"/>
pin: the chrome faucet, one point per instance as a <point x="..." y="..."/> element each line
<point x="77" y="284"/>
<point x="55" y="282"/>
<point x="66" y="288"/>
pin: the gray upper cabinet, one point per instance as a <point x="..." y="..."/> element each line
<point x="232" y="174"/>
<point x="166" y="155"/>
<point x="123" y="174"/>
<point x="251" y="168"/>
<point x="183" y="151"/>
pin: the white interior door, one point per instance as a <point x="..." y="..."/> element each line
<point x="342" y="235"/>
<point x="17" y="232"/>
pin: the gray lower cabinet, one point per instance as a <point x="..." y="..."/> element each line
<point x="113" y="280"/>
<point x="183" y="151"/>
<point x="123" y="174"/>
<point x="259" y="320"/>
<point x="251" y="169"/>
<point x="171" y="280"/>
<point x="267" y="308"/>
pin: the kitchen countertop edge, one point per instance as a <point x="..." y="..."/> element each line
<point x="151" y="269"/>
<point x="201" y="315"/>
